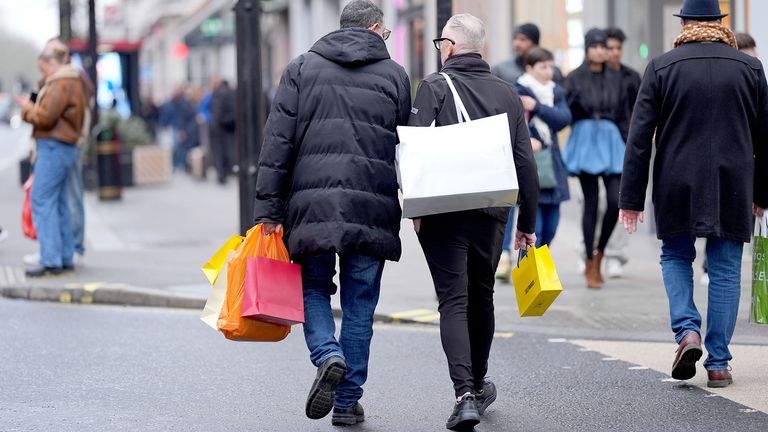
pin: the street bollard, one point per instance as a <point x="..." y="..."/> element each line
<point x="108" y="165"/>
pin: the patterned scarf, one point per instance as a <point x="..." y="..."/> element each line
<point x="706" y="32"/>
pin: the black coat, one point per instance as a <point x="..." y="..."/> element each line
<point x="598" y="95"/>
<point x="557" y="118"/>
<point x="327" y="166"/>
<point x="708" y="105"/>
<point x="484" y="95"/>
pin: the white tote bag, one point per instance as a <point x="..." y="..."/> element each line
<point x="465" y="166"/>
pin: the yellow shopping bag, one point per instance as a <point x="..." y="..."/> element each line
<point x="214" y="266"/>
<point x="536" y="282"/>
<point x="218" y="280"/>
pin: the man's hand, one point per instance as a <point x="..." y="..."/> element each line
<point x="629" y="219"/>
<point x="524" y="241"/>
<point x="271" y="228"/>
<point x="417" y="225"/>
<point x="529" y="103"/>
<point x="536" y="145"/>
<point x="757" y="211"/>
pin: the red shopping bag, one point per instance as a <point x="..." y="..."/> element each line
<point x="26" y="210"/>
<point x="273" y="291"/>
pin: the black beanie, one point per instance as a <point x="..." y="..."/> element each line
<point x="593" y="37"/>
<point x="529" y="30"/>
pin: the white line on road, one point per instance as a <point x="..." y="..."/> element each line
<point x="557" y="340"/>
<point x="638" y="368"/>
<point x="610" y="359"/>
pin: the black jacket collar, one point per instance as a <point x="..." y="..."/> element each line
<point x="466" y="63"/>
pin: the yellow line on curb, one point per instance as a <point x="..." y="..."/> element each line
<point x="428" y="318"/>
<point x="65" y="297"/>
<point x="91" y="287"/>
<point x="503" y="335"/>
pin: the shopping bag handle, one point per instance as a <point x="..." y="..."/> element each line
<point x="523" y="253"/>
<point x="461" y="110"/>
<point x="761" y="229"/>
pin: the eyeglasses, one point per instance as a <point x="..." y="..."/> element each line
<point x="386" y="33"/>
<point x="439" y="41"/>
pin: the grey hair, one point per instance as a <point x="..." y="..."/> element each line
<point x="360" y="14"/>
<point x="468" y="32"/>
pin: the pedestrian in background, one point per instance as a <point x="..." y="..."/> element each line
<point x="463" y="248"/>
<point x="222" y="128"/>
<point x="179" y="114"/>
<point x="595" y="150"/>
<point x="57" y="119"/>
<point x="526" y="37"/>
<point x="706" y="104"/>
<point x="327" y="174"/>
<point x="545" y="102"/>
<point x="746" y="44"/>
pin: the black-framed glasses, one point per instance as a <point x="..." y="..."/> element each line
<point x="386" y="33"/>
<point x="439" y="42"/>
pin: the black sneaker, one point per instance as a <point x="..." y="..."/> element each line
<point x="486" y="396"/>
<point x="323" y="392"/>
<point x="348" y="416"/>
<point x="41" y="271"/>
<point x="465" y="415"/>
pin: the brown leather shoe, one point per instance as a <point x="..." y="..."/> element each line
<point x="591" y="275"/>
<point x="688" y="353"/>
<point x="719" y="378"/>
<point x="599" y="255"/>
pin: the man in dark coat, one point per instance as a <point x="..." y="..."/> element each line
<point x="463" y="248"/>
<point x="707" y="104"/>
<point x="222" y="127"/>
<point x="327" y="173"/>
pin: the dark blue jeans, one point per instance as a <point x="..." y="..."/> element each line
<point x="507" y="245"/>
<point x="724" y="260"/>
<point x="360" y="280"/>
<point x="547" y="219"/>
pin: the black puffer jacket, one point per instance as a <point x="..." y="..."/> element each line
<point x="327" y="169"/>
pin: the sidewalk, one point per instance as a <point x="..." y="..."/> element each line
<point x="147" y="249"/>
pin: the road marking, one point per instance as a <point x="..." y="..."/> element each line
<point x="748" y="410"/>
<point x="557" y="340"/>
<point x="610" y="359"/>
<point x="91" y="287"/>
<point x="411" y="313"/>
<point x="503" y="335"/>
<point x="670" y="380"/>
<point x="428" y="318"/>
<point x="65" y="297"/>
<point x="638" y="368"/>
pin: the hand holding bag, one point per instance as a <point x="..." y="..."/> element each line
<point x="760" y="272"/>
<point x="273" y="289"/>
<point x="231" y="323"/>
<point x="536" y="282"/>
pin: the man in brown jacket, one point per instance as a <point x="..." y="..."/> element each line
<point x="57" y="119"/>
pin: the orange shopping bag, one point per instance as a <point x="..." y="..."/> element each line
<point x="234" y="326"/>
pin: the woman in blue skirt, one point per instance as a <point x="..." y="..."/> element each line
<point x="595" y="148"/>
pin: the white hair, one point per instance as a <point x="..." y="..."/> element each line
<point x="468" y="31"/>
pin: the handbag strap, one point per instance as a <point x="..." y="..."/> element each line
<point x="461" y="110"/>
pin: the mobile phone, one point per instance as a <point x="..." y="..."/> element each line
<point x="33" y="97"/>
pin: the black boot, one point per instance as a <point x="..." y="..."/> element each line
<point x="486" y="396"/>
<point x="348" y="416"/>
<point x="465" y="415"/>
<point x="323" y="392"/>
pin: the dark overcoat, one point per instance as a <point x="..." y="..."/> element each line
<point x="707" y="103"/>
<point x="327" y="166"/>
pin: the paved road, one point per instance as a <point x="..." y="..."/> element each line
<point x="76" y="368"/>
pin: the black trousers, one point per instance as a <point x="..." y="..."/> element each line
<point x="591" y="190"/>
<point x="462" y="251"/>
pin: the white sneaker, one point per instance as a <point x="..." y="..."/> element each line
<point x="504" y="271"/>
<point x="613" y="268"/>
<point x="3" y="235"/>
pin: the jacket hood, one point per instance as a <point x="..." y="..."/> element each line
<point x="351" y="47"/>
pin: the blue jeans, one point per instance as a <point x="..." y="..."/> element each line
<point x="547" y="219"/>
<point x="360" y="279"/>
<point x="76" y="208"/>
<point x="507" y="245"/>
<point x="50" y="210"/>
<point x="724" y="259"/>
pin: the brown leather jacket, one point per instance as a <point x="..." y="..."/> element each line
<point x="60" y="108"/>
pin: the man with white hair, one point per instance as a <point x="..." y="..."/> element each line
<point x="463" y="248"/>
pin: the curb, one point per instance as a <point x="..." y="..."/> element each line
<point x="128" y="296"/>
<point x="140" y="297"/>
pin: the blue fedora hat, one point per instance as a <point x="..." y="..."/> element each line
<point x="704" y="10"/>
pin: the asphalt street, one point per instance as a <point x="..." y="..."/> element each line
<point x="102" y="368"/>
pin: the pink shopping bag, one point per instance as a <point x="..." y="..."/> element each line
<point x="273" y="292"/>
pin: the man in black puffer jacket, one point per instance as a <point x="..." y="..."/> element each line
<point x="327" y="173"/>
